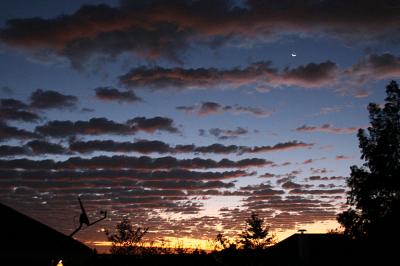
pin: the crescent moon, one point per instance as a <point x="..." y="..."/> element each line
<point x="294" y="55"/>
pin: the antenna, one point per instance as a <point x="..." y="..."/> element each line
<point x="301" y="231"/>
<point x="84" y="219"/>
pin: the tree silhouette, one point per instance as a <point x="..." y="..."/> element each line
<point x="126" y="239"/>
<point x="256" y="235"/>
<point x="223" y="243"/>
<point x="374" y="195"/>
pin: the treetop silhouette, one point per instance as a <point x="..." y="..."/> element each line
<point x="126" y="240"/>
<point x="374" y="195"/>
<point x="256" y="235"/>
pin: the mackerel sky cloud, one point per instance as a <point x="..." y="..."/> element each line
<point x="188" y="114"/>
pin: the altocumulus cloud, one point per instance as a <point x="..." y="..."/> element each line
<point x="210" y="108"/>
<point x="49" y="99"/>
<point x="9" y="132"/>
<point x="15" y="110"/>
<point x="327" y="128"/>
<point x="113" y="94"/>
<point x="156" y="146"/>
<point x="129" y="162"/>
<point x="312" y="75"/>
<point x="101" y="125"/>
<point x="140" y="26"/>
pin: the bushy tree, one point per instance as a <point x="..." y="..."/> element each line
<point x="256" y="235"/>
<point x="126" y="240"/>
<point x="374" y="195"/>
<point x="223" y="243"/>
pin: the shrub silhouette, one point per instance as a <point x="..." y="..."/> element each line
<point x="126" y="240"/>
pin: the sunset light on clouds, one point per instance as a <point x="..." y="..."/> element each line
<point x="187" y="116"/>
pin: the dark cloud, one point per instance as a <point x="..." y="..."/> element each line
<point x="316" y="171"/>
<point x="327" y="128"/>
<point x="316" y="191"/>
<point x="187" y="185"/>
<point x="155" y="146"/>
<point x="6" y="150"/>
<point x="140" y="26"/>
<point x="217" y="148"/>
<point x="336" y="178"/>
<point x="377" y="66"/>
<point x="309" y="76"/>
<point x="282" y="164"/>
<point x="33" y="147"/>
<point x="180" y="78"/>
<point x="351" y="80"/>
<point x="325" y="178"/>
<point x="94" y="126"/>
<point x="141" y="146"/>
<point x="308" y="161"/>
<point x="267" y="175"/>
<point x="286" y="178"/>
<point x="209" y="108"/>
<point x="12" y="109"/>
<point x="116" y="176"/>
<point x="223" y="134"/>
<point x="153" y="124"/>
<point x="10" y="132"/>
<point x="10" y="114"/>
<point x="113" y="189"/>
<point x="44" y="147"/>
<point x="261" y="191"/>
<point x="186" y="109"/>
<point x="343" y="157"/>
<point x="126" y="162"/>
<point x="280" y="146"/>
<point x="256" y="111"/>
<point x="292" y="185"/>
<point x="98" y="126"/>
<point x="12" y="104"/>
<point x="283" y="212"/>
<point x="97" y="30"/>
<point x="112" y="94"/>
<point x="41" y="99"/>
<point x="290" y="211"/>
<point x="357" y="79"/>
<point x="315" y="177"/>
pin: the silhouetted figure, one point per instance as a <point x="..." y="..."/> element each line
<point x="84" y="219"/>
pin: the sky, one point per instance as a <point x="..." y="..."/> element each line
<point x="187" y="116"/>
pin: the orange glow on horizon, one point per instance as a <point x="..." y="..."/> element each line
<point x="208" y="245"/>
<point x="169" y="242"/>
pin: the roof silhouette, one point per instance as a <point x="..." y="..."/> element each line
<point x="25" y="239"/>
<point x="316" y="249"/>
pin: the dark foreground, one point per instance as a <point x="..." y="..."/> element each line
<point x="28" y="242"/>
<point x="296" y="250"/>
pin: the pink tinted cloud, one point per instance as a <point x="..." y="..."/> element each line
<point x="327" y="128"/>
